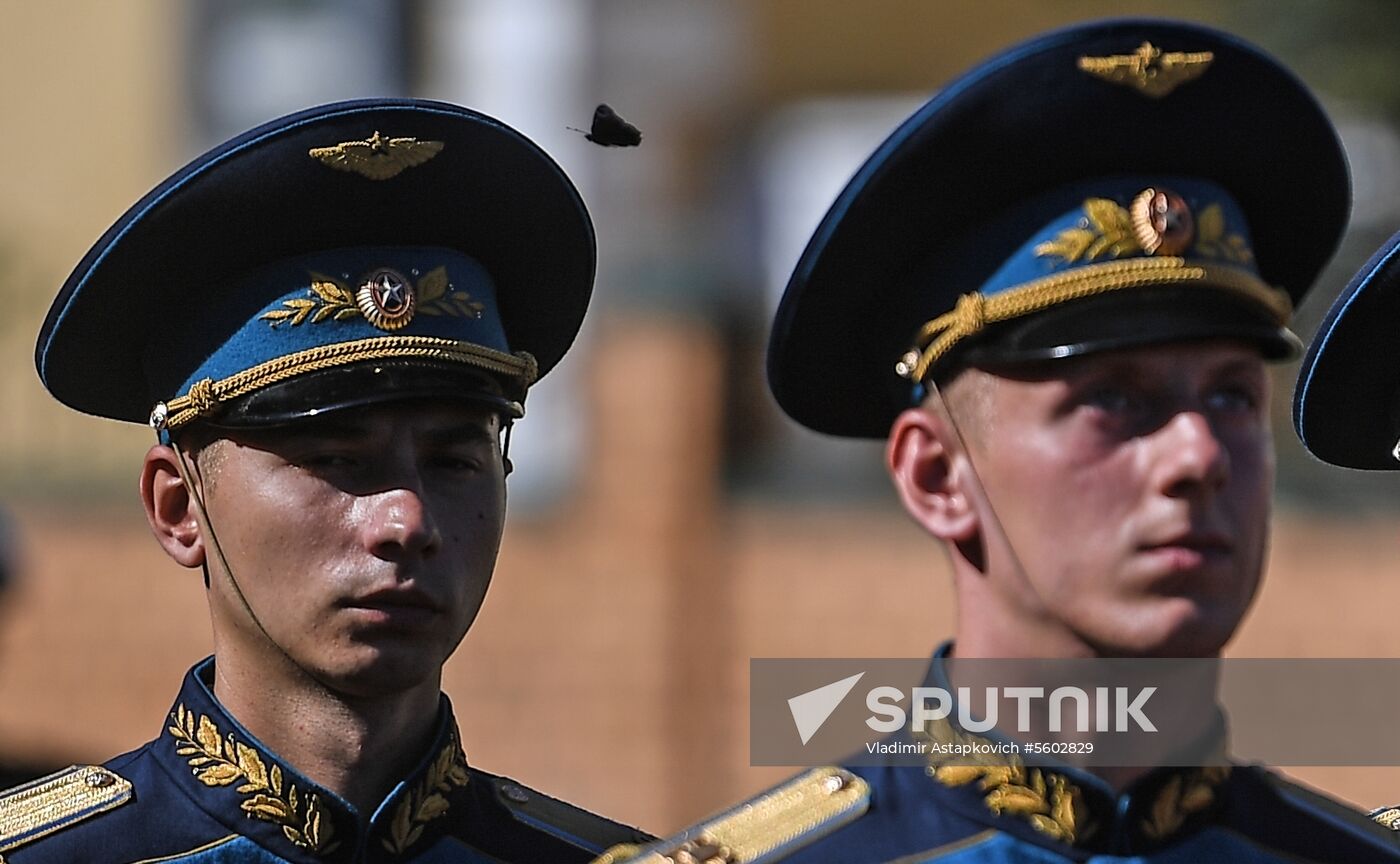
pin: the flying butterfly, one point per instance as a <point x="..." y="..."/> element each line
<point x="610" y="130"/>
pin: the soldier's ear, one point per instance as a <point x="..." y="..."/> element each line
<point x="930" y="475"/>
<point x="169" y="508"/>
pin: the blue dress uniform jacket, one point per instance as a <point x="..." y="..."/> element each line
<point x="207" y="792"/>
<point x="1243" y="815"/>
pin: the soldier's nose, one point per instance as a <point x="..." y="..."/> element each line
<point x="400" y="527"/>
<point x="1193" y="460"/>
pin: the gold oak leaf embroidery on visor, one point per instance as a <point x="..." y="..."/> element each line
<point x="434" y="298"/>
<point x="377" y="158"/>
<point x="1213" y="242"/>
<point x="218" y="760"/>
<point x="1105" y="230"/>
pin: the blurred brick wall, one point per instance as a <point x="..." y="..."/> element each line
<point x="610" y="663"/>
<point x="89" y="127"/>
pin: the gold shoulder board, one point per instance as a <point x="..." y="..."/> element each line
<point x="1388" y="816"/>
<point x="55" y="802"/>
<point x="762" y="829"/>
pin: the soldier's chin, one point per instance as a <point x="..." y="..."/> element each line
<point x="379" y="671"/>
<point x="1173" y="627"/>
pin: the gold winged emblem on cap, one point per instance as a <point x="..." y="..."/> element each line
<point x="377" y="158"/>
<point x="1148" y="70"/>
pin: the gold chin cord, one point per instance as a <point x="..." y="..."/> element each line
<point x="213" y="552"/>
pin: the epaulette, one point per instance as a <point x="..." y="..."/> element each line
<point x="762" y="829"/>
<point x="1387" y="816"/>
<point x="560" y="819"/>
<point x="58" y="801"/>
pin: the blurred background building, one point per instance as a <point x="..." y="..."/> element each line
<point x="668" y="523"/>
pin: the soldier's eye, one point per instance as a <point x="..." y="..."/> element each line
<point x="458" y="461"/>
<point x="1113" y="400"/>
<point x="457" y="464"/>
<point x="1233" y="398"/>
<point x="321" y="461"/>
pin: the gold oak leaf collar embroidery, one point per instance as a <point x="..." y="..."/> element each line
<point x="217" y="760"/>
<point x="428" y="800"/>
<point x="1051" y="802"/>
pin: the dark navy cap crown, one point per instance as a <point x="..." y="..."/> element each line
<point x="1112" y="184"/>
<point x="388" y="234"/>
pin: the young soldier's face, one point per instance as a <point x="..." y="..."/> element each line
<point x="1134" y="487"/>
<point x="363" y="541"/>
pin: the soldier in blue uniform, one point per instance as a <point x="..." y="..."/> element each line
<point x="1054" y="290"/>
<point x="331" y="323"/>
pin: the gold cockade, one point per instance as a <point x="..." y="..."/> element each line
<point x="219" y="760"/>
<point x="377" y="157"/>
<point x="1148" y="70"/>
